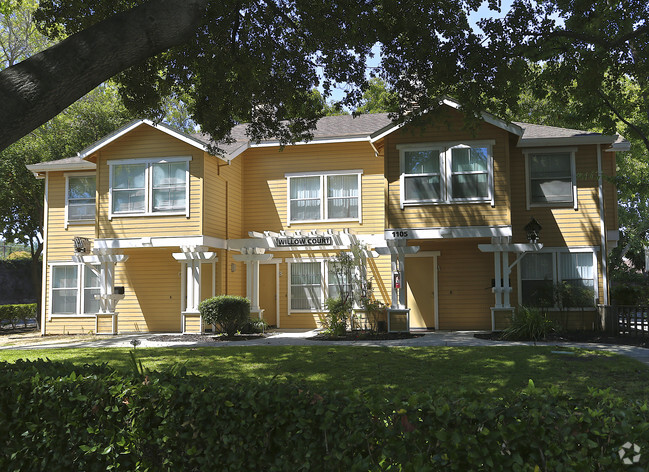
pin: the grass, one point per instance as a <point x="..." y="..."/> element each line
<point x="493" y="370"/>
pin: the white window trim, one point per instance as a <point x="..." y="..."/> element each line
<point x="67" y="176"/>
<point x="81" y="268"/>
<point x="148" y="186"/>
<point x="573" y="170"/>
<point x="324" y="282"/>
<point x="555" y="251"/>
<point x="445" y="149"/>
<point x="323" y="195"/>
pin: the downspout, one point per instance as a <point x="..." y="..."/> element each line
<point x="46" y="212"/>
<point x="376" y="151"/>
<point x="600" y="182"/>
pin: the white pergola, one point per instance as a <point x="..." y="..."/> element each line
<point x="501" y="246"/>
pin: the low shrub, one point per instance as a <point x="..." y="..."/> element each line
<point x="56" y="416"/>
<point x="229" y="312"/>
<point x="14" y="313"/>
<point x="254" y="326"/>
<point x="335" y="321"/>
<point x="529" y="324"/>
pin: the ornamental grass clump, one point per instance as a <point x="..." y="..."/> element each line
<point x="529" y="324"/>
<point x="228" y="312"/>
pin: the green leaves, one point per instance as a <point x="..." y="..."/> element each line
<point x="48" y="420"/>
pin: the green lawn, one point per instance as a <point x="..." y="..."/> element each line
<point x="494" y="370"/>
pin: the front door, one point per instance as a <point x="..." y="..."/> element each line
<point x="268" y="292"/>
<point x="420" y="276"/>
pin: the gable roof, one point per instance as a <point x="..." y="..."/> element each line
<point x="341" y="128"/>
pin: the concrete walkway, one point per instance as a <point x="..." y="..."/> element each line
<point x="300" y="338"/>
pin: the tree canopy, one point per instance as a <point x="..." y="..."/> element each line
<point x="258" y="60"/>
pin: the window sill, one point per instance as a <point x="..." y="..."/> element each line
<point x="79" y="222"/>
<point x="157" y="213"/>
<point x="72" y="315"/>
<point x="444" y="203"/>
<point x="340" y="220"/>
<point x="570" y="204"/>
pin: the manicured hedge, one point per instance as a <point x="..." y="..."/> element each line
<point x="231" y="313"/>
<point x="55" y="416"/>
<point x="13" y="313"/>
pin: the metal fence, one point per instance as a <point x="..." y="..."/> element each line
<point x="627" y="320"/>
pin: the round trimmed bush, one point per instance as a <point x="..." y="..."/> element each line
<point x="229" y="312"/>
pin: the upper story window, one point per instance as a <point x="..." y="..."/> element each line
<point x="80" y="198"/>
<point x="551" y="178"/>
<point x="446" y="173"/>
<point x="149" y="186"/>
<point x="324" y="196"/>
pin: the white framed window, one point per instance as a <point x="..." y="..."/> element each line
<point x="324" y="196"/>
<point x="551" y="177"/>
<point x="80" y="198"/>
<point x="306" y="286"/>
<point x="149" y="186"/>
<point x="566" y="277"/>
<point x="422" y="175"/>
<point x="442" y="173"/>
<point x="73" y="288"/>
<point x="311" y="282"/>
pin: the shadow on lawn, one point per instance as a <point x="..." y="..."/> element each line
<point x="493" y="370"/>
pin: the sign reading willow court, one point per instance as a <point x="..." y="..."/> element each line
<point x="304" y="241"/>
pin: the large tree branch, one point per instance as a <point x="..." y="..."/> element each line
<point x="592" y="39"/>
<point x="37" y="89"/>
<point x="635" y="128"/>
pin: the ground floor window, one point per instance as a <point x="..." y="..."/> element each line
<point x="74" y="287"/>
<point x="559" y="279"/>
<point x="311" y="283"/>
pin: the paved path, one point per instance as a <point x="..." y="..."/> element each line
<point x="286" y="338"/>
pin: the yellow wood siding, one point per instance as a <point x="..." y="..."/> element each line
<point x="72" y="325"/>
<point x="265" y="185"/>
<point x="147" y="142"/>
<point x="214" y="199"/>
<point x="610" y="193"/>
<point x="561" y="226"/>
<point x="464" y="283"/>
<point x="151" y="280"/>
<point x="60" y="248"/>
<point x="448" y="127"/>
<point x="193" y="323"/>
<point x="105" y="324"/>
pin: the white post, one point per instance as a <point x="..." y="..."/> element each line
<point x="254" y="300"/>
<point x="506" y="272"/>
<point x="190" y="286"/>
<point x="183" y="286"/>
<point x="402" y="270"/>
<point x="394" y="266"/>
<point x="497" y="285"/>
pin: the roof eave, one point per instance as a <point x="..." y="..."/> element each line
<point x="622" y="146"/>
<point x="565" y="141"/>
<point x="44" y="167"/>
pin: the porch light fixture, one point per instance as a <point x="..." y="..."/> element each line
<point x="533" y="228"/>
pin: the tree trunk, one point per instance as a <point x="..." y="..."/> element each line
<point x="37" y="89"/>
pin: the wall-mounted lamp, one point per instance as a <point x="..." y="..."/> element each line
<point x="533" y="228"/>
<point x="233" y="267"/>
